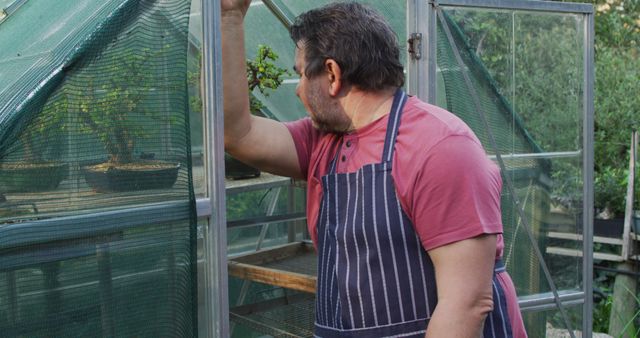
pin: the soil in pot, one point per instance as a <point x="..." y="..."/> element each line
<point x="142" y="175"/>
<point x="31" y="177"/>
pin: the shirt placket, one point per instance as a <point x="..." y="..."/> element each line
<point x="347" y="150"/>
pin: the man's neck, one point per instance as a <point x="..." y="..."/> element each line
<point x="364" y="107"/>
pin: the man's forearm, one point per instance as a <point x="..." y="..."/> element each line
<point x="459" y="322"/>
<point x="236" y="96"/>
<point x="464" y="273"/>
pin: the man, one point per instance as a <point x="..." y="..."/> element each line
<point x="401" y="195"/>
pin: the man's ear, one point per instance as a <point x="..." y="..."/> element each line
<point x="334" y="75"/>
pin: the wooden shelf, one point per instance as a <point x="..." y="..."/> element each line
<point x="292" y="266"/>
<point x="264" y="181"/>
<point x="606" y="256"/>
<point x="578" y="237"/>
<point x="578" y="253"/>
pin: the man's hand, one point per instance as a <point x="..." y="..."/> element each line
<point x="234" y="7"/>
<point x="464" y="272"/>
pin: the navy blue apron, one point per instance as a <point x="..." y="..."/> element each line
<point x="374" y="277"/>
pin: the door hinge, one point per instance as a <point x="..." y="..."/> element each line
<point x="415" y="45"/>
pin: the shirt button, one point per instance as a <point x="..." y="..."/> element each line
<point x="348" y="143"/>
<point x="344" y="158"/>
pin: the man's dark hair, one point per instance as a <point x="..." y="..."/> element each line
<point x="357" y="37"/>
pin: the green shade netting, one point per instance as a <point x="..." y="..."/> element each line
<point x="97" y="213"/>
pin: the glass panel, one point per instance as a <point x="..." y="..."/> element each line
<point x="258" y="309"/>
<point x="5" y="3"/>
<point x="526" y="70"/>
<point x="264" y="202"/>
<point x="262" y="27"/>
<point x="550" y="323"/>
<point x="394" y="11"/>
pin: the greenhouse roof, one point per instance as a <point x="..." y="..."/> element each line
<point x="34" y="56"/>
<point x="38" y="41"/>
<point x="41" y="40"/>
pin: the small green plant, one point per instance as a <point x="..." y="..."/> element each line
<point x="263" y="74"/>
<point x="610" y="190"/>
<point x="601" y="313"/>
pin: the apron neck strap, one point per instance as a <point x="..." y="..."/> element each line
<point x="399" y="99"/>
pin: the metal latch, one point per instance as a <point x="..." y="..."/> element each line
<point x="415" y="45"/>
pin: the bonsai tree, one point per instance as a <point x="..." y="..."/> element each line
<point x="40" y="139"/>
<point x="117" y="110"/>
<point x="34" y="164"/>
<point x="106" y="110"/>
<point x="263" y="75"/>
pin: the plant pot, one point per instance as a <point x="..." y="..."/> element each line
<point x="612" y="228"/>
<point x="236" y="170"/>
<point x="109" y="177"/>
<point x="31" y="177"/>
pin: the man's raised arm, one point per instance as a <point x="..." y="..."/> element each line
<point x="263" y="143"/>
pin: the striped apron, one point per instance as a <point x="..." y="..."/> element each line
<point x="374" y="277"/>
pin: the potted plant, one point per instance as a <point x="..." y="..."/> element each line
<point x="115" y="112"/>
<point x="35" y="165"/>
<point x="263" y="74"/>
<point x="610" y="200"/>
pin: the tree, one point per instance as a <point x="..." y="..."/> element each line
<point x="617" y="103"/>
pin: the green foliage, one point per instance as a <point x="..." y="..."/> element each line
<point x="114" y="110"/>
<point x="40" y="140"/>
<point x="601" y="313"/>
<point x="263" y="74"/>
<point x="617" y="23"/>
<point x="617" y="113"/>
<point x="611" y="189"/>
<point x="549" y="94"/>
<point x="617" y="103"/>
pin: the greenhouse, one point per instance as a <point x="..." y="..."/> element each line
<point x="119" y="219"/>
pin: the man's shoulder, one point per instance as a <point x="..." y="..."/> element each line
<point x="424" y="125"/>
<point x="302" y="130"/>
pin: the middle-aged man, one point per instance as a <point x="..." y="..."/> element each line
<point x="403" y="203"/>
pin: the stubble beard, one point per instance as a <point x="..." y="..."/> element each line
<point x="326" y="114"/>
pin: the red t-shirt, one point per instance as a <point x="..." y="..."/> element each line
<point x="444" y="180"/>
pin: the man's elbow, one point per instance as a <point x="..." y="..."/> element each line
<point x="235" y="132"/>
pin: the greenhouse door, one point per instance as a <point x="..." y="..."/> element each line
<point x="520" y="73"/>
